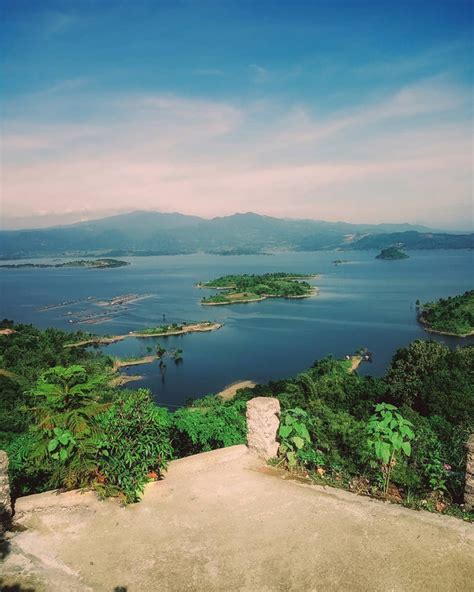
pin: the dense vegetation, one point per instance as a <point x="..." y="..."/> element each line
<point x="431" y="388"/>
<point x="242" y="288"/>
<point x="402" y="436"/>
<point x="64" y="425"/>
<point x="90" y="263"/>
<point x="391" y="253"/>
<point x="453" y="315"/>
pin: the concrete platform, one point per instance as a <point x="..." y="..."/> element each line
<point x="223" y="521"/>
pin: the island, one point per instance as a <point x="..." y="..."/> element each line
<point x="391" y="253"/>
<point x="340" y="261"/>
<point x="449" y="316"/>
<point x="237" y="289"/>
<point x="88" y="263"/>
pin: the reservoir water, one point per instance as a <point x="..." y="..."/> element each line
<point x="363" y="303"/>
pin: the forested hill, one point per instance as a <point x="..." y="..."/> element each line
<point x="149" y="233"/>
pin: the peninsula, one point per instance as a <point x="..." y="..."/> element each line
<point x="236" y="289"/>
<point x="159" y="331"/>
<point x="449" y="316"/>
<point x="391" y="253"/>
<point x="88" y="263"/>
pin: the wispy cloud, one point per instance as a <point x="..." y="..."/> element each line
<point x="259" y="73"/>
<point x="209" y="72"/>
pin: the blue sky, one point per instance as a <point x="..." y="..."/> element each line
<point x="359" y="111"/>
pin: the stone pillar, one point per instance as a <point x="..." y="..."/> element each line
<point x="262" y="426"/>
<point x="5" y="500"/>
<point x="469" y="488"/>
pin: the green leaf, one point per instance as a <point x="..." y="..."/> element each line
<point x="53" y="444"/>
<point x="385" y="452"/>
<point x="291" y="458"/>
<point x="63" y="454"/>
<point x="299" y="442"/>
<point x="285" y="431"/>
<point x="64" y="438"/>
<point x="396" y="441"/>
<point x="406" y="447"/>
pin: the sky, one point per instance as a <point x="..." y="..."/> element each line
<point x="330" y="110"/>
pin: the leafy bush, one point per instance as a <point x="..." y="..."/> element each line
<point x="390" y="436"/>
<point x="210" y="424"/>
<point x="66" y="431"/>
<point x="135" y="443"/>
<point x="294" y="436"/>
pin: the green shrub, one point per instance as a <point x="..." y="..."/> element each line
<point x="295" y="441"/>
<point x="210" y="424"/>
<point x="340" y="437"/>
<point x="389" y="439"/>
<point x="135" y="442"/>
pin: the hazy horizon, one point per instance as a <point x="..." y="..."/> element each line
<point x="346" y="111"/>
<point x="49" y="221"/>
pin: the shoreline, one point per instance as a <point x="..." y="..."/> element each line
<point x="229" y="392"/>
<point x="118" y="363"/>
<point x="122" y="379"/>
<point x="426" y="327"/>
<point x="195" y="328"/>
<point x="313" y="292"/>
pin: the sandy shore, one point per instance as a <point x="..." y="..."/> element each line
<point x="118" y="363"/>
<point x="355" y="363"/>
<point x="314" y="291"/>
<point x="243" y="301"/>
<point x="230" y="391"/>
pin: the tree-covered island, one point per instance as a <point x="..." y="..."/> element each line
<point x="451" y="316"/>
<point x="234" y="289"/>
<point x="89" y="263"/>
<point x="391" y="253"/>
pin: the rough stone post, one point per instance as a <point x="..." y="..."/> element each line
<point x="469" y="488"/>
<point x="262" y="426"/>
<point x="5" y="500"/>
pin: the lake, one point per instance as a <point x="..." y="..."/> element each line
<point x="364" y="303"/>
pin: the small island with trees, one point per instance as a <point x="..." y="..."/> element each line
<point x="391" y="253"/>
<point x="450" y="316"/>
<point x="88" y="263"/>
<point x="235" y="289"/>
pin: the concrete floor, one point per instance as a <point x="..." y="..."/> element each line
<point x="223" y="521"/>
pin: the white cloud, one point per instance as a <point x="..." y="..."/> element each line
<point x="404" y="157"/>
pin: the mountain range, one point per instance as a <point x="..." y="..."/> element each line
<point x="156" y="233"/>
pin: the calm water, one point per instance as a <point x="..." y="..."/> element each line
<point x="367" y="302"/>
